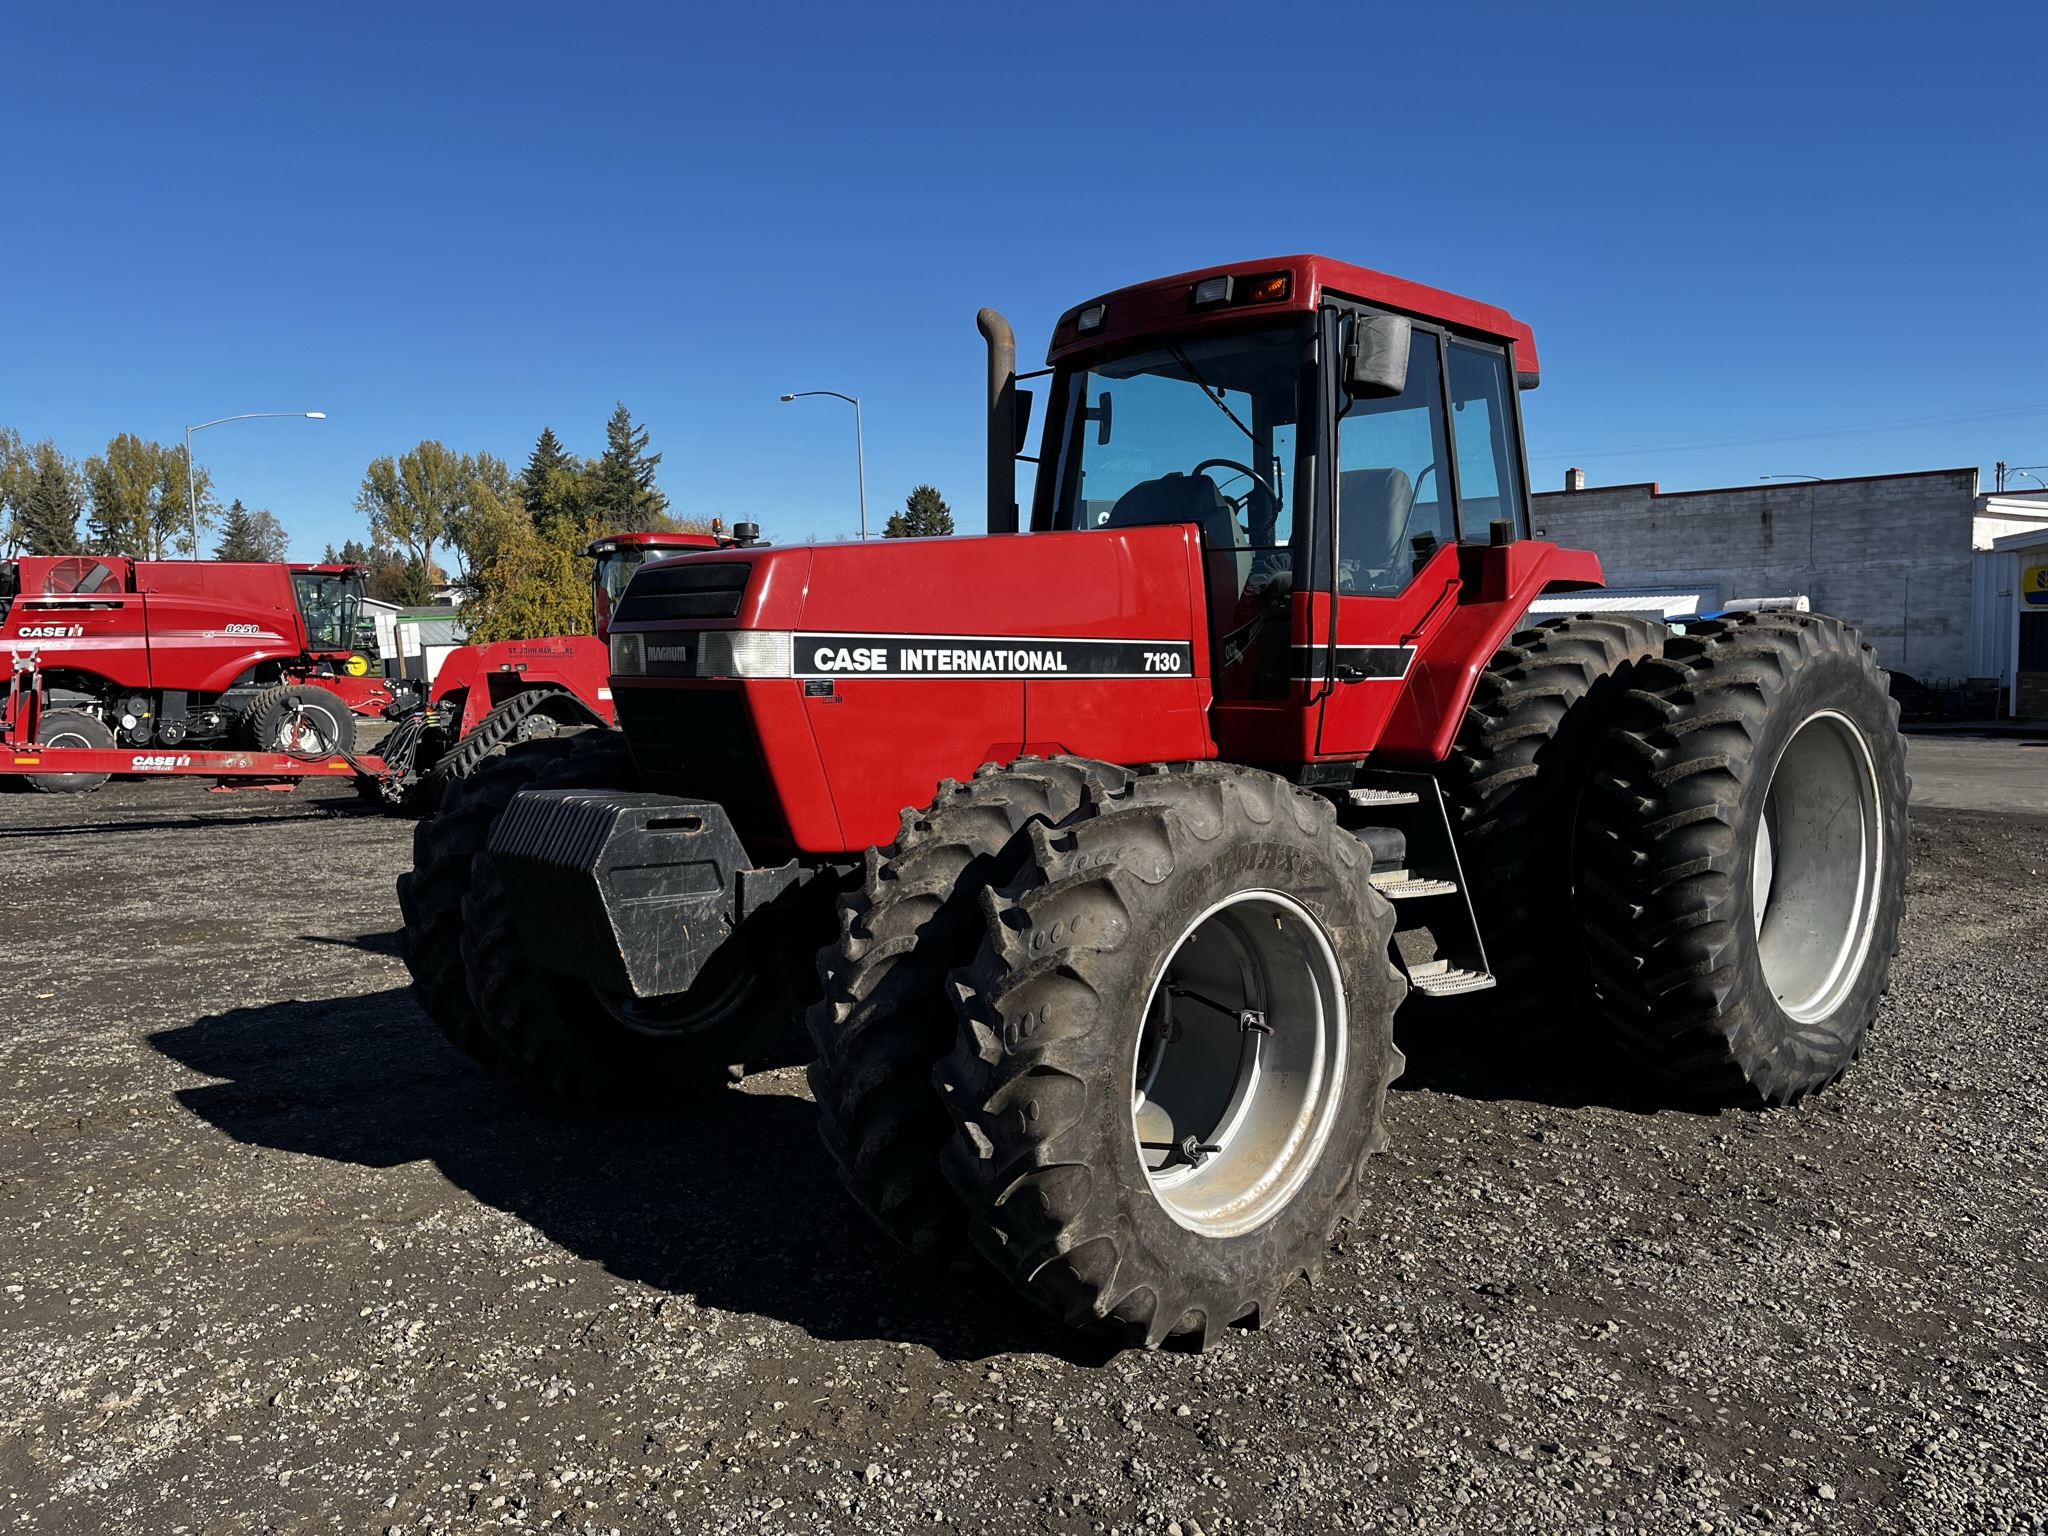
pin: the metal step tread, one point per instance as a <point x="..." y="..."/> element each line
<point x="1385" y="797"/>
<point x="1399" y="884"/>
<point x="1439" y="978"/>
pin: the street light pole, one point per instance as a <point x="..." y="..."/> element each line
<point x="191" y="483"/>
<point x="860" y="451"/>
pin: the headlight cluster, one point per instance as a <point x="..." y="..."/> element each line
<point x="751" y="653"/>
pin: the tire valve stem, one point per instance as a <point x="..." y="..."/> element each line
<point x="1252" y="1021"/>
<point x="1195" y="1150"/>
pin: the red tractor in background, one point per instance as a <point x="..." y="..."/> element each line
<point x="486" y="697"/>
<point x="1118" y="842"/>
<point x="189" y="654"/>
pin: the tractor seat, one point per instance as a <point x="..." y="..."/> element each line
<point x="1373" y="505"/>
<point x="1179" y="498"/>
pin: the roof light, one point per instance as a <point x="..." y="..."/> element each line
<point x="1212" y="290"/>
<point x="1266" y="288"/>
<point x="1090" y="319"/>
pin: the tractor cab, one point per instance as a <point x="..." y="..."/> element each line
<point x="617" y="556"/>
<point x="330" y="599"/>
<point x="1348" y="446"/>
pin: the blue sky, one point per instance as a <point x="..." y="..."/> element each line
<point x="1734" y="228"/>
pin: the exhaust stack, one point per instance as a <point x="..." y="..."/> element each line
<point x="1002" y="420"/>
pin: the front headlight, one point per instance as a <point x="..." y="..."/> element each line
<point x="629" y="655"/>
<point x="745" y="653"/>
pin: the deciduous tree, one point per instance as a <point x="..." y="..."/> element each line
<point x="412" y="501"/>
<point x="139" y="504"/>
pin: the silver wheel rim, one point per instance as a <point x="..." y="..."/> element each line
<point x="1239" y="1068"/>
<point x="1819" y="847"/>
<point x="308" y="732"/>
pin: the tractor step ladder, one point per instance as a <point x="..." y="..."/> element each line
<point x="1400" y="885"/>
<point x="1373" y="799"/>
<point x="1426" y="885"/>
<point x="1439" y="978"/>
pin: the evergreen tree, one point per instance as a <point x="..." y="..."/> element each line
<point x="551" y="486"/>
<point x="52" y="498"/>
<point x="352" y="552"/>
<point x="623" y="496"/>
<point x="925" y="515"/>
<point x="246" y="535"/>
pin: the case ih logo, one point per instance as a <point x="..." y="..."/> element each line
<point x="50" y="631"/>
<point x="159" y="762"/>
<point x="988" y="656"/>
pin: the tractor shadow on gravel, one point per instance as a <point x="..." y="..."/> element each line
<point x="731" y="1200"/>
<point x="1465" y="1054"/>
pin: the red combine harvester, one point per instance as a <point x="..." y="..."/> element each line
<point x="486" y="697"/>
<point x="1243" y="744"/>
<point x="156" y="666"/>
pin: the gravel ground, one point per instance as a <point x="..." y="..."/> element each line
<point x="276" y="1259"/>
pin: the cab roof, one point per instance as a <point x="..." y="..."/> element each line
<point x="1167" y="305"/>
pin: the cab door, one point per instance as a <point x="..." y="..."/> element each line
<point x="1415" y="476"/>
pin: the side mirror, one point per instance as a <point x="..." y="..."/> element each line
<point x="1376" y="357"/>
<point x="1023" y="419"/>
<point x="1099" y="413"/>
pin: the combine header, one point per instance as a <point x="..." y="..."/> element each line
<point x="1119" y="841"/>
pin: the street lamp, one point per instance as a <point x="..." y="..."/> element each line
<point x="1791" y="477"/>
<point x="859" y="448"/>
<point x="191" y="490"/>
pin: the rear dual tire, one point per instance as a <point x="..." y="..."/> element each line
<point x="1744" y="858"/>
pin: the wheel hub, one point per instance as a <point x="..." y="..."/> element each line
<point x="1240" y="1063"/>
<point x="1815" y="865"/>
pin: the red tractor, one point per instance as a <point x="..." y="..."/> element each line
<point x="486" y="697"/>
<point x="189" y="653"/>
<point x="1242" y="745"/>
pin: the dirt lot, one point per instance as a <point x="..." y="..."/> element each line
<point x="276" y="1259"/>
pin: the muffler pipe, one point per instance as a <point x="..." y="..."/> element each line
<point x="1002" y="420"/>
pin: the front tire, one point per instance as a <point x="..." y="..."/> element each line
<point x="1745" y="858"/>
<point x="1173" y="1055"/>
<point x="430" y="894"/>
<point x="72" y="728"/>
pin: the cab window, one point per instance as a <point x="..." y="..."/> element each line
<point x="1482" y="424"/>
<point x="1393" y="494"/>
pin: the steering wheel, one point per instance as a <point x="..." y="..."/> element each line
<point x="1237" y="502"/>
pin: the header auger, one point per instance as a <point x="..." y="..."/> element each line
<point x="1244" y="741"/>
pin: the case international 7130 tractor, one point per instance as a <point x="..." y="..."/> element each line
<point x="1243" y="743"/>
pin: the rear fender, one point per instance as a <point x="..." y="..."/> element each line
<point x="1497" y="582"/>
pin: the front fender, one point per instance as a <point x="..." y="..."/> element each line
<point x="1497" y="582"/>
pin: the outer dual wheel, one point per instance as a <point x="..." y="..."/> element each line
<point x="1174" y="1051"/>
<point x="1745" y="858"/>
